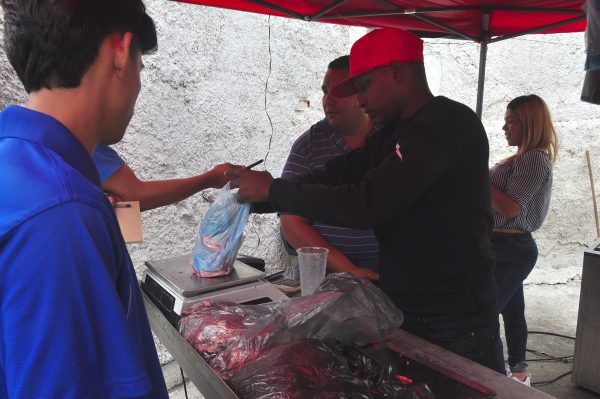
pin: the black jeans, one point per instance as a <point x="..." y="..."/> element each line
<point x="475" y="337"/>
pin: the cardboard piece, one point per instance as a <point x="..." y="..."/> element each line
<point x="130" y="220"/>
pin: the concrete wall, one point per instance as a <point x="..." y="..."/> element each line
<point x="236" y="87"/>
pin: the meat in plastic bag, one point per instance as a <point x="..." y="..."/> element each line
<point x="344" y="308"/>
<point x="220" y="235"/>
<point x="228" y="335"/>
<point x="311" y="368"/>
<point x="361" y="314"/>
<point x="300" y="369"/>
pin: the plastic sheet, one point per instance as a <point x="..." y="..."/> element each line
<point x="306" y="368"/>
<point x="228" y="335"/>
<point x="220" y="235"/>
<point x="311" y="368"/>
<point x="344" y="308"/>
<point x="362" y="315"/>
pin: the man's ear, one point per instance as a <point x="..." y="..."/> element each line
<point x="121" y="44"/>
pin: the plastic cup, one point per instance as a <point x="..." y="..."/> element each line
<point x="311" y="261"/>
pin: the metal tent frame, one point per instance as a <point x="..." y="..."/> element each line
<point x="473" y="21"/>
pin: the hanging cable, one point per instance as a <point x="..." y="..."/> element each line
<point x="266" y="89"/>
<point x="184" y="386"/>
<point x="253" y="217"/>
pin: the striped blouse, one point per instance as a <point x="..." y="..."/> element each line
<point x="527" y="180"/>
<point x="310" y="151"/>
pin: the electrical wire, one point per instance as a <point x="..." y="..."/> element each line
<point x="547" y="357"/>
<point x="266" y="88"/>
<point x="252" y="217"/>
<point x="184" y="386"/>
<point x="551" y="333"/>
<point x="553" y="380"/>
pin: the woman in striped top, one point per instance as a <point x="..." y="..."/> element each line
<point x="521" y="187"/>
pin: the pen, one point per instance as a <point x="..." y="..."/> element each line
<point x="254" y="164"/>
<point x="122" y="205"/>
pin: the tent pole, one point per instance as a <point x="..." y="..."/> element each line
<point x="481" y="79"/>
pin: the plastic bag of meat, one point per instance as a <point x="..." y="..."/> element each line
<point x="220" y="235"/>
<point x="300" y="369"/>
<point x="344" y="308"/>
<point x="361" y="313"/>
<point x="228" y="335"/>
<point x="311" y="368"/>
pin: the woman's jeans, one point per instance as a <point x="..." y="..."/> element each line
<point x="516" y="255"/>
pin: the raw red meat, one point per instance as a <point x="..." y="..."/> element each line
<point x="228" y="335"/>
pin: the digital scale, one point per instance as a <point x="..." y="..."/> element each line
<point x="173" y="286"/>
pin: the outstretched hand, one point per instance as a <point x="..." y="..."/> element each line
<point x="253" y="186"/>
<point x="218" y="177"/>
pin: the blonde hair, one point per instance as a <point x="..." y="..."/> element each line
<point x="538" y="130"/>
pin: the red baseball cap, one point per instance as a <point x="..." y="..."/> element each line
<point x="378" y="48"/>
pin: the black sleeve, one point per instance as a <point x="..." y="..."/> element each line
<point x="384" y="192"/>
<point x="345" y="169"/>
<point x="263" y="207"/>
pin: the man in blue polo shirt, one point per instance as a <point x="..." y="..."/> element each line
<point x="73" y="323"/>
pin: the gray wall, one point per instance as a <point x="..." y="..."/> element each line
<point x="203" y="103"/>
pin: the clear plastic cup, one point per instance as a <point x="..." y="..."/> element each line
<point x="311" y="261"/>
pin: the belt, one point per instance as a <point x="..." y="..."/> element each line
<point x="510" y="231"/>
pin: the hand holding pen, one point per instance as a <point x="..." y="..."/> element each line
<point x="255" y="163"/>
<point x="253" y="185"/>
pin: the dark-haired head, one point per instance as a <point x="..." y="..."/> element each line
<point x="340" y="63"/>
<point x="52" y="43"/>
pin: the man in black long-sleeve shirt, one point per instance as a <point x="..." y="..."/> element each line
<point x="422" y="183"/>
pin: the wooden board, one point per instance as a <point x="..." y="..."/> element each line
<point x="130" y="220"/>
<point x="457" y="367"/>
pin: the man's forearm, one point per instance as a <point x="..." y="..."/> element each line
<point x="165" y="192"/>
<point x="300" y="233"/>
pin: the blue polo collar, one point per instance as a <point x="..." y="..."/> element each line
<point x="25" y="124"/>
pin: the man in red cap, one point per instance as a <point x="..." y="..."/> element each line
<point x="422" y="184"/>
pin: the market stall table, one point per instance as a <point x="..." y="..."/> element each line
<point x="464" y="374"/>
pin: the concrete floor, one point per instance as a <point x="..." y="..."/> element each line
<point x="550" y="308"/>
<point x="553" y="308"/>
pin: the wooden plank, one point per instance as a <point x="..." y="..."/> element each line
<point x="129" y="217"/>
<point x="194" y="366"/>
<point x="464" y="370"/>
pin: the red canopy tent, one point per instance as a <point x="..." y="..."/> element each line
<point x="482" y="21"/>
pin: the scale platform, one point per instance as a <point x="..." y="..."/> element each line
<point x="173" y="287"/>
